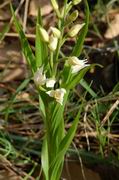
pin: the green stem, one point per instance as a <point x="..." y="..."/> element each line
<point x="61" y="28"/>
<point x="51" y="62"/>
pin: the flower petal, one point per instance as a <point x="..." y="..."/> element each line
<point x="58" y="94"/>
<point x="50" y="83"/>
<point x="39" y="77"/>
<point x="76" y="64"/>
<point x="53" y="43"/>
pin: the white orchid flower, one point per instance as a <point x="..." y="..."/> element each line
<point x="58" y="94"/>
<point x="56" y="32"/>
<point x="53" y="43"/>
<point x="75" y="2"/>
<point x="43" y="34"/>
<point x="39" y="77"/>
<point x="76" y="64"/>
<point x="75" y="30"/>
<point x="55" y="4"/>
<point x="50" y="83"/>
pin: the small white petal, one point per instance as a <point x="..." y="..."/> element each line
<point x="75" y="2"/>
<point x="43" y="34"/>
<point x="56" y="32"/>
<point x="76" y="64"/>
<point x="75" y="30"/>
<point x="58" y="94"/>
<point x="50" y="83"/>
<point x="53" y="43"/>
<point x="50" y="93"/>
<point x="55" y="4"/>
<point x="39" y="77"/>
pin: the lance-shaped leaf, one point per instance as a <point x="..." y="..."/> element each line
<point x="64" y="145"/>
<point x="24" y="43"/>
<point x="80" y="40"/>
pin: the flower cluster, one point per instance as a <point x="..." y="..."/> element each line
<point x="40" y="80"/>
<point x="51" y="40"/>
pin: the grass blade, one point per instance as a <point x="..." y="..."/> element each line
<point x="40" y="46"/>
<point x="25" y="44"/>
<point x="86" y="86"/>
<point x="4" y="31"/>
<point x="64" y="145"/>
<point x="79" y="43"/>
<point x="44" y="159"/>
<point x="20" y="88"/>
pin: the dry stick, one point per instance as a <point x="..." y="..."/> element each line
<point x="4" y="4"/>
<point x="94" y="134"/>
<point x="81" y="162"/>
<point x="114" y="106"/>
<point x="30" y="36"/>
<point x="85" y="124"/>
<point x="25" y="15"/>
<point x="25" y="22"/>
<point x="17" y="10"/>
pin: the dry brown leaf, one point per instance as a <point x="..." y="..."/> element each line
<point x="113" y="29"/>
<point x="73" y="170"/>
<point x="10" y="175"/>
<point x="4" y="15"/>
<point x="11" y="62"/>
<point x="45" y="6"/>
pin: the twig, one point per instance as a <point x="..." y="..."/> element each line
<point x="17" y="10"/>
<point x="85" y="124"/>
<point x="4" y="4"/>
<point x="114" y="106"/>
<point x="32" y="36"/>
<point x="25" y="15"/>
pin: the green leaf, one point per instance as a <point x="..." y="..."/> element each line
<point x="24" y="43"/>
<point x="57" y="114"/>
<point x="76" y="78"/>
<point x="18" y="90"/>
<point x="64" y="145"/>
<point x="86" y="86"/>
<point x="4" y="31"/>
<point x="80" y="40"/>
<point x="44" y="159"/>
<point x="41" y="50"/>
<point x="42" y="107"/>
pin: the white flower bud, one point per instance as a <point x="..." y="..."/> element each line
<point x="76" y="64"/>
<point x="56" y="32"/>
<point x="53" y="43"/>
<point x="39" y="77"/>
<point x="55" y="4"/>
<point x="58" y="94"/>
<point x="75" y="2"/>
<point x="73" y="16"/>
<point x="75" y="30"/>
<point x="43" y="34"/>
<point x="50" y="83"/>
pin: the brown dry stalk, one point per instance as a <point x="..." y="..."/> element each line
<point x="113" y="107"/>
<point x="30" y="36"/>
<point x="25" y="15"/>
